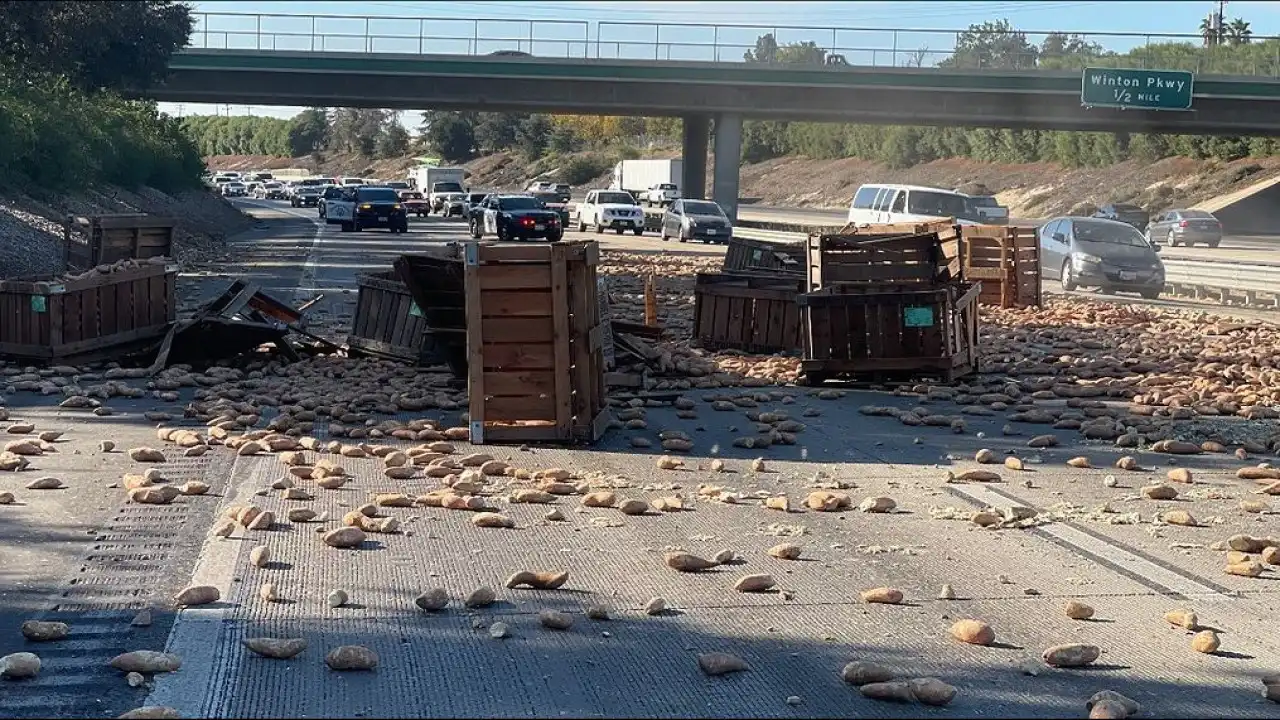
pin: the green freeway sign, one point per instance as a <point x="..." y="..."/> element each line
<point x="1129" y="88"/>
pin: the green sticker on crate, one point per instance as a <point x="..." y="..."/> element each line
<point x="414" y="311"/>
<point x="914" y="317"/>
<point x="39" y="304"/>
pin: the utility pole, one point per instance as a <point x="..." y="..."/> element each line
<point x="1221" y="25"/>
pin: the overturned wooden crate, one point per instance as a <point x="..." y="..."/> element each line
<point x="117" y="236"/>
<point x="1007" y="261"/>
<point x="948" y="232"/>
<point x="864" y="259"/>
<point x="387" y="321"/>
<point x="96" y="317"/>
<point x="534" y="343"/>
<point x="750" y="313"/>
<point x="883" y="331"/>
<point x="759" y="256"/>
<point x="435" y="284"/>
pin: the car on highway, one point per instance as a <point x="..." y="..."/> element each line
<point x="1125" y="213"/>
<point x="471" y="200"/>
<point x="399" y="185"/>
<point x="361" y="207"/>
<point x="452" y="204"/>
<point x="661" y="194"/>
<point x="1096" y="252"/>
<point x="615" y="210"/>
<point x="514" y="217"/>
<point x="696" y="220"/>
<point x="329" y="194"/>
<point x="234" y="188"/>
<point x="270" y="190"/>
<point x="307" y="195"/>
<point x="1185" y="227"/>
<point x="350" y="181"/>
<point x="555" y="201"/>
<point x="988" y="209"/>
<point x="881" y="203"/>
<point x="539" y="186"/>
<point x="414" y="203"/>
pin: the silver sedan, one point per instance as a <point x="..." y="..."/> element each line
<point x="1185" y="227"/>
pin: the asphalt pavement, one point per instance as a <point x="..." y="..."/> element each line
<point x="795" y="640"/>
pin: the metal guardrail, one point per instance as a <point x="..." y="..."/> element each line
<point x="727" y="43"/>
<point x="1224" y="281"/>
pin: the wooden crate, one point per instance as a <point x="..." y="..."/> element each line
<point x="387" y="321"/>
<point x="1007" y="261"/>
<point x="534" y="342"/>
<point x="93" y="317"/>
<point x="435" y="282"/>
<point x="873" y="260"/>
<point x="755" y="314"/>
<point x="750" y="256"/>
<point x="119" y="236"/>
<point x="880" y="331"/>
<point x="949" y="234"/>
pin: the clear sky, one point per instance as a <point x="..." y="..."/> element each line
<point x="642" y="28"/>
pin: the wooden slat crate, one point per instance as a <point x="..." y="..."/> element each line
<point x="755" y="314"/>
<point x="1007" y="261"/>
<point x="948" y="233"/>
<point x="435" y="282"/>
<point x="865" y="259"/>
<point x="743" y="256"/>
<point x="387" y="321"/>
<point x="120" y="236"/>
<point x="882" y="331"/>
<point x="91" y="317"/>
<point x="534" y="343"/>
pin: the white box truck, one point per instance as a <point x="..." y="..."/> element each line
<point x="438" y="183"/>
<point x="638" y="176"/>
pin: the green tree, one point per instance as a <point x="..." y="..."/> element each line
<point x="992" y="44"/>
<point x="765" y="51"/>
<point x="450" y="134"/>
<point x="534" y="135"/>
<point x="496" y="132"/>
<point x="1238" y="32"/>
<point x="117" y="45"/>
<point x="393" y="141"/>
<point x="308" y="131"/>
<point x="802" y="53"/>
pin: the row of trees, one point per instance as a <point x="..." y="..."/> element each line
<point x="63" y="69"/>
<point x="359" y="131"/>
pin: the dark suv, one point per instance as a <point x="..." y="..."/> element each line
<point x="1125" y="213"/>
<point x="378" y="207"/>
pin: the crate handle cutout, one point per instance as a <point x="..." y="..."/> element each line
<point x="39" y="304"/>
<point x="915" y="317"/>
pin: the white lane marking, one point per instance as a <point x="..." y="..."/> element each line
<point x="1135" y="565"/>
<point x="196" y="635"/>
<point x="306" y="283"/>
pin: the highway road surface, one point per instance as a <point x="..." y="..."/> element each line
<point x="794" y="640"/>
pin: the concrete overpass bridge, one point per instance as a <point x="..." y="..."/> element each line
<point x="698" y="92"/>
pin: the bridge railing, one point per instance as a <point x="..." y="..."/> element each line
<point x="875" y="47"/>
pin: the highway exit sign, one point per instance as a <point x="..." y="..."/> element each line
<point x="1133" y="89"/>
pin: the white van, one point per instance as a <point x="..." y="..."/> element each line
<point x="877" y="204"/>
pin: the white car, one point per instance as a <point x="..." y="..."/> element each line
<point x="234" y="188"/>
<point x="614" y="209"/>
<point x="540" y="186"/>
<point x="662" y="194"/>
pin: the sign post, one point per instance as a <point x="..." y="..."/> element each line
<point x="1133" y="89"/>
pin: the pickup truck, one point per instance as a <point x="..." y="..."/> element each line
<point x="987" y="209"/>
<point x="615" y="209"/>
<point x="662" y="194"/>
<point x="440" y="192"/>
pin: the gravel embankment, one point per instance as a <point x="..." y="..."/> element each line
<point x="31" y="231"/>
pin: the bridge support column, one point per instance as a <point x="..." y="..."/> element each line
<point x="697" y="131"/>
<point x="728" y="148"/>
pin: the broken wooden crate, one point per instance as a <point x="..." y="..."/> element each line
<point x="534" y="343"/>
<point x="744" y="312"/>
<point x="387" y="321"/>
<point x="883" y="331"/>
<point x="758" y="256"/>
<point x="948" y="232"/>
<point x="117" y="236"/>
<point x="1006" y="259"/>
<point x="869" y="259"/>
<point x="435" y="281"/>
<point x="88" y="318"/>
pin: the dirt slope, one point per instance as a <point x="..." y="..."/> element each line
<point x="1030" y="190"/>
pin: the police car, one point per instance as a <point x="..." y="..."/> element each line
<point x="358" y="207"/>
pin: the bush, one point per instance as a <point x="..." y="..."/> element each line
<point x="584" y="168"/>
<point x="54" y="136"/>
